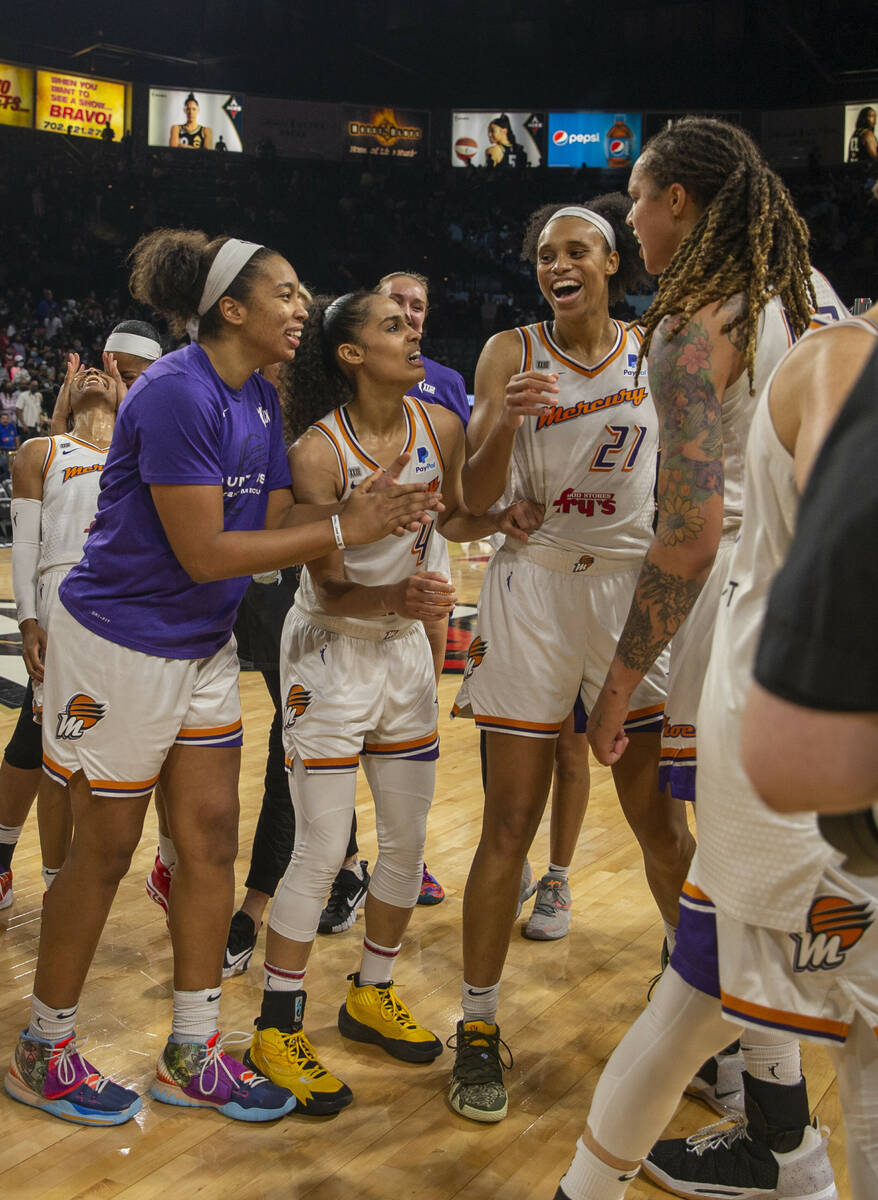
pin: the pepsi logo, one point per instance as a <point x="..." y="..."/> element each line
<point x="465" y="148"/>
<point x="618" y="146"/>
<point x="559" y="137"/>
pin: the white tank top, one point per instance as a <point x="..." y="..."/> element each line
<point x="779" y="858"/>
<point x="591" y="461"/>
<point x="393" y="558"/>
<point x="71" y="482"/>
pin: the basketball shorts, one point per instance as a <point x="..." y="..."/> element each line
<point x="114" y="713"/>
<point x="690" y="654"/>
<point x="344" y="696"/>
<point x="810" y="983"/>
<point x="47" y="603"/>
<point x="546" y="638"/>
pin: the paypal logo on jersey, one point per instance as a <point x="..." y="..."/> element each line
<point x="632" y="363"/>
<point x="423" y="454"/>
<point x="425" y="462"/>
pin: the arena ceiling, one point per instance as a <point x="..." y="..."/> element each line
<point x="462" y="53"/>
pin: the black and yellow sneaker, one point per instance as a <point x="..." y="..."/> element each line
<point x="281" y="1052"/>
<point x="374" y="1013"/>
<point x="477" y="1089"/>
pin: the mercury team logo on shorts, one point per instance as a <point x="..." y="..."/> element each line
<point x="297" y="701"/>
<point x="835" y="925"/>
<point x="583" y="563"/>
<point x="477" y="649"/>
<point x="80" y="713"/>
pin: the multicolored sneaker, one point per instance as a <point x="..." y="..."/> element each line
<point x="432" y="891"/>
<point x="201" y="1075"/>
<point x="239" y="944"/>
<point x="477" y="1089"/>
<point x="719" y="1082"/>
<point x="377" y="1015"/>
<point x="347" y="897"/>
<point x="56" y="1078"/>
<point x="288" y="1059"/>
<point x="550" y="918"/>
<point x="527" y="887"/>
<point x="6" y="895"/>
<point x="158" y="885"/>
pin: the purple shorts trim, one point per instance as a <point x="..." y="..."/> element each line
<point x="696" y="957"/>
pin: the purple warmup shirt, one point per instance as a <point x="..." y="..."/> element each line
<point x="180" y="424"/>
<point x="442" y="385"/>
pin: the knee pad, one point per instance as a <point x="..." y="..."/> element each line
<point x="403" y="792"/>
<point x="24" y="749"/>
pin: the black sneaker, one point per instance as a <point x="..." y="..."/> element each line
<point x="347" y="896"/>
<point x="477" y="1089"/>
<point x="240" y="944"/>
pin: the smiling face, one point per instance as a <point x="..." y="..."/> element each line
<point x="411" y="298"/>
<point x="388" y="349"/>
<point x="574" y="264"/>
<point x="273" y="313"/>
<point x="90" y="385"/>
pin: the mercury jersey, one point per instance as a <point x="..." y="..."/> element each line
<point x="590" y="460"/>
<point x="71" y="482"/>
<point x="757" y="865"/>
<point x="393" y="558"/>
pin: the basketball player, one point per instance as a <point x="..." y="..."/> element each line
<point x="191" y="135"/>
<point x="557" y="406"/>
<point x="733" y="291"/>
<point x="358" y="682"/>
<point x="55" y="495"/>
<point x="195" y="498"/>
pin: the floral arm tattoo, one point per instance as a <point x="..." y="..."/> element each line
<point x="690" y="477"/>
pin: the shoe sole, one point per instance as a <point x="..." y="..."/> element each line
<point x="239" y="966"/>
<point x="719" y="1190"/>
<point x="429" y="900"/>
<point x="314" y="1107"/>
<point x="542" y="935"/>
<point x="173" y="1094"/>
<point x="485" y="1116"/>
<point x="417" y="1052"/>
<point x="64" y="1109"/>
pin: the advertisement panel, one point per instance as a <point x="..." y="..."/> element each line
<point x="593" y="139"/>
<point x="385" y="132"/>
<point x="188" y="120"/>
<point x="16" y="95"/>
<point x="860" y="133"/>
<point x="81" y="105"/>
<point x="296" y="128"/>
<point x="498" y="140"/>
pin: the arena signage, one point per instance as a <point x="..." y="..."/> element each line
<point x="385" y="132"/>
<point x="16" y="95"/>
<point x="80" y="105"/>
<point x="594" y="139"/>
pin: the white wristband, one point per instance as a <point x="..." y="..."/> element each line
<point x="26" y="522"/>
<point x="336" y="530"/>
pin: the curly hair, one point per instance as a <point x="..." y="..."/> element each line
<point x="313" y="383"/>
<point x="168" y="272"/>
<point x="613" y="207"/>
<point x="748" y="241"/>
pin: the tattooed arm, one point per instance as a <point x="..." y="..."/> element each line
<point x="689" y="370"/>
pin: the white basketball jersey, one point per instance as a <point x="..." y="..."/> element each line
<point x="590" y="460"/>
<point x="393" y="558"/>
<point x="71" y="482"/>
<point x="759" y="866"/>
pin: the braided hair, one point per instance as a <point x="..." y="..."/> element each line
<point x="749" y="240"/>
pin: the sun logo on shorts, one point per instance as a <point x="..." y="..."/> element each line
<point x="80" y="713"/>
<point x="835" y="925"/>
<point x="583" y="563"/>
<point x="478" y="648"/>
<point x="297" y="701"/>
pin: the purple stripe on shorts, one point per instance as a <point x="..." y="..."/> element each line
<point x="695" y="956"/>
<point x="680" y="778"/>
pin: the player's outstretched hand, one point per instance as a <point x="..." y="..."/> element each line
<point x="426" y="596"/>
<point x="371" y="512"/>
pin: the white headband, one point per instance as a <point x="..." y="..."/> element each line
<point x="599" y="222"/>
<point x="227" y="265"/>
<point x="120" y="342"/>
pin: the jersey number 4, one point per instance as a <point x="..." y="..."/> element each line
<point x="421" y="542"/>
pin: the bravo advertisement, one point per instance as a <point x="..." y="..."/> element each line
<point x="81" y="106"/>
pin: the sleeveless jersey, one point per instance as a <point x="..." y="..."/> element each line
<point x="71" y="482"/>
<point x="393" y="558"/>
<point x="194" y="138"/>
<point x="590" y="460"/>
<point x="759" y="866"/>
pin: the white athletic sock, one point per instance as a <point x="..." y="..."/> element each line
<point x="49" y="874"/>
<point x="773" y="1062"/>
<point x="167" y="852"/>
<point x="558" y="872"/>
<point x="51" y="1024"/>
<point x="277" y="979"/>
<point x="589" y="1178"/>
<point x="9" y="834"/>
<point x="353" y="864"/>
<point x="376" y="965"/>
<point x="480" y="1004"/>
<point x="196" y="1015"/>
<point x="671" y="935"/>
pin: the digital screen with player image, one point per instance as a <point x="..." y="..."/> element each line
<point x="195" y="120"/>
<point x="594" y="139"/>
<point x="860" y="133"/>
<point x="498" y="140"/>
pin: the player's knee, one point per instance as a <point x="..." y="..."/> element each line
<point x="397" y="876"/>
<point x="510" y="832"/>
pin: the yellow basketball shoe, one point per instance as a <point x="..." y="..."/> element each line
<point x="376" y="1014"/>
<point x="287" y="1058"/>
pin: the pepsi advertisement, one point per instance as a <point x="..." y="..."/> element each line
<point x="594" y="139"/>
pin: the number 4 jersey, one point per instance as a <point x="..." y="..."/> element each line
<point x="591" y="459"/>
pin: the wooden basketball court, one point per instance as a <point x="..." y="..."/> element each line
<point x="564" y="1006"/>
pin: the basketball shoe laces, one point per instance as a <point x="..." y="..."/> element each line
<point x="394" y="1009"/>
<point x="304" y="1055"/>
<point x="214" y="1056"/>
<point x="62" y="1060"/>
<point x="479" y="1055"/>
<point x="719" y="1134"/>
